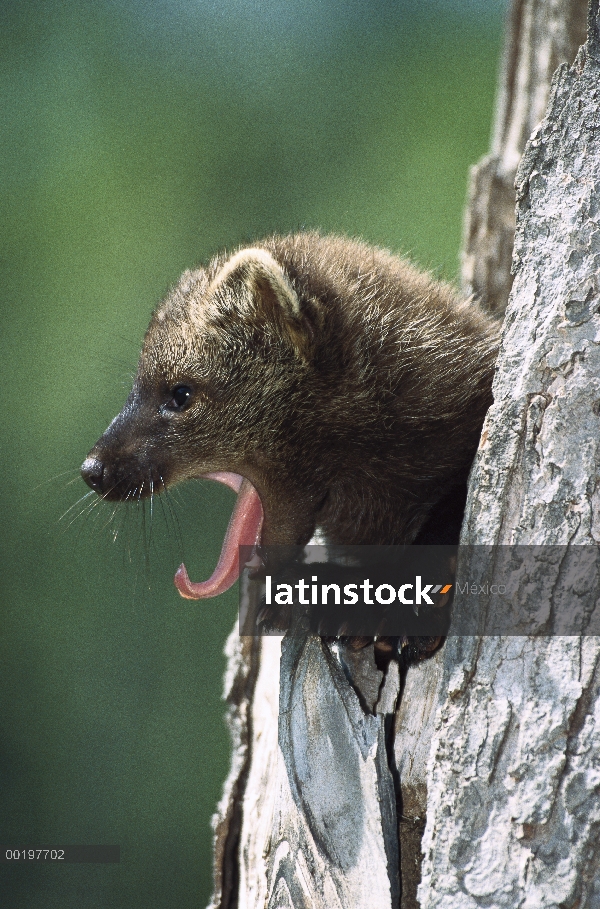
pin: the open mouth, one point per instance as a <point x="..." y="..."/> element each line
<point x="245" y="526"/>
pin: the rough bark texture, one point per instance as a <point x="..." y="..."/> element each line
<point x="514" y="775"/>
<point x="334" y="839"/>
<point x="414" y="726"/>
<point x="541" y="34"/>
<point x="308" y="815"/>
<point x="243" y="663"/>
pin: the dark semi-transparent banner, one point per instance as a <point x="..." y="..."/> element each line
<point x="420" y="590"/>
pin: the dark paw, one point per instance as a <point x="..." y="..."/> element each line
<point x="413" y="650"/>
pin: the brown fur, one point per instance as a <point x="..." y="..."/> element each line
<point x="348" y="387"/>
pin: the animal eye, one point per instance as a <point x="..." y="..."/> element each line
<point x="180" y="397"/>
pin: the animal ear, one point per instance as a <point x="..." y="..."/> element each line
<point x="266" y="288"/>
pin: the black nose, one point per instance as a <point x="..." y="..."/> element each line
<point x="92" y="471"/>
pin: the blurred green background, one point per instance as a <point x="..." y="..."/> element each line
<point x="137" y="139"/>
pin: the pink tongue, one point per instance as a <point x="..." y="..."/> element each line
<point x="244" y="529"/>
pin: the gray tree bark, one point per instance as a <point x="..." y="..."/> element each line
<point x="514" y="776"/>
<point x="541" y="34"/>
<point x="491" y="741"/>
<point x="308" y="815"/>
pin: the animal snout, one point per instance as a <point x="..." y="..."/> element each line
<point x="92" y="471"/>
<point x="123" y="475"/>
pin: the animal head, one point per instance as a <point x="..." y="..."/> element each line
<point x="221" y="374"/>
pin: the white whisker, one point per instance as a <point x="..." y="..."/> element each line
<point x="75" y="504"/>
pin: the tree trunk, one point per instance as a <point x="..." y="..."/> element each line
<point x="514" y="778"/>
<point x="308" y="816"/>
<point x="491" y="740"/>
<point x="541" y="34"/>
